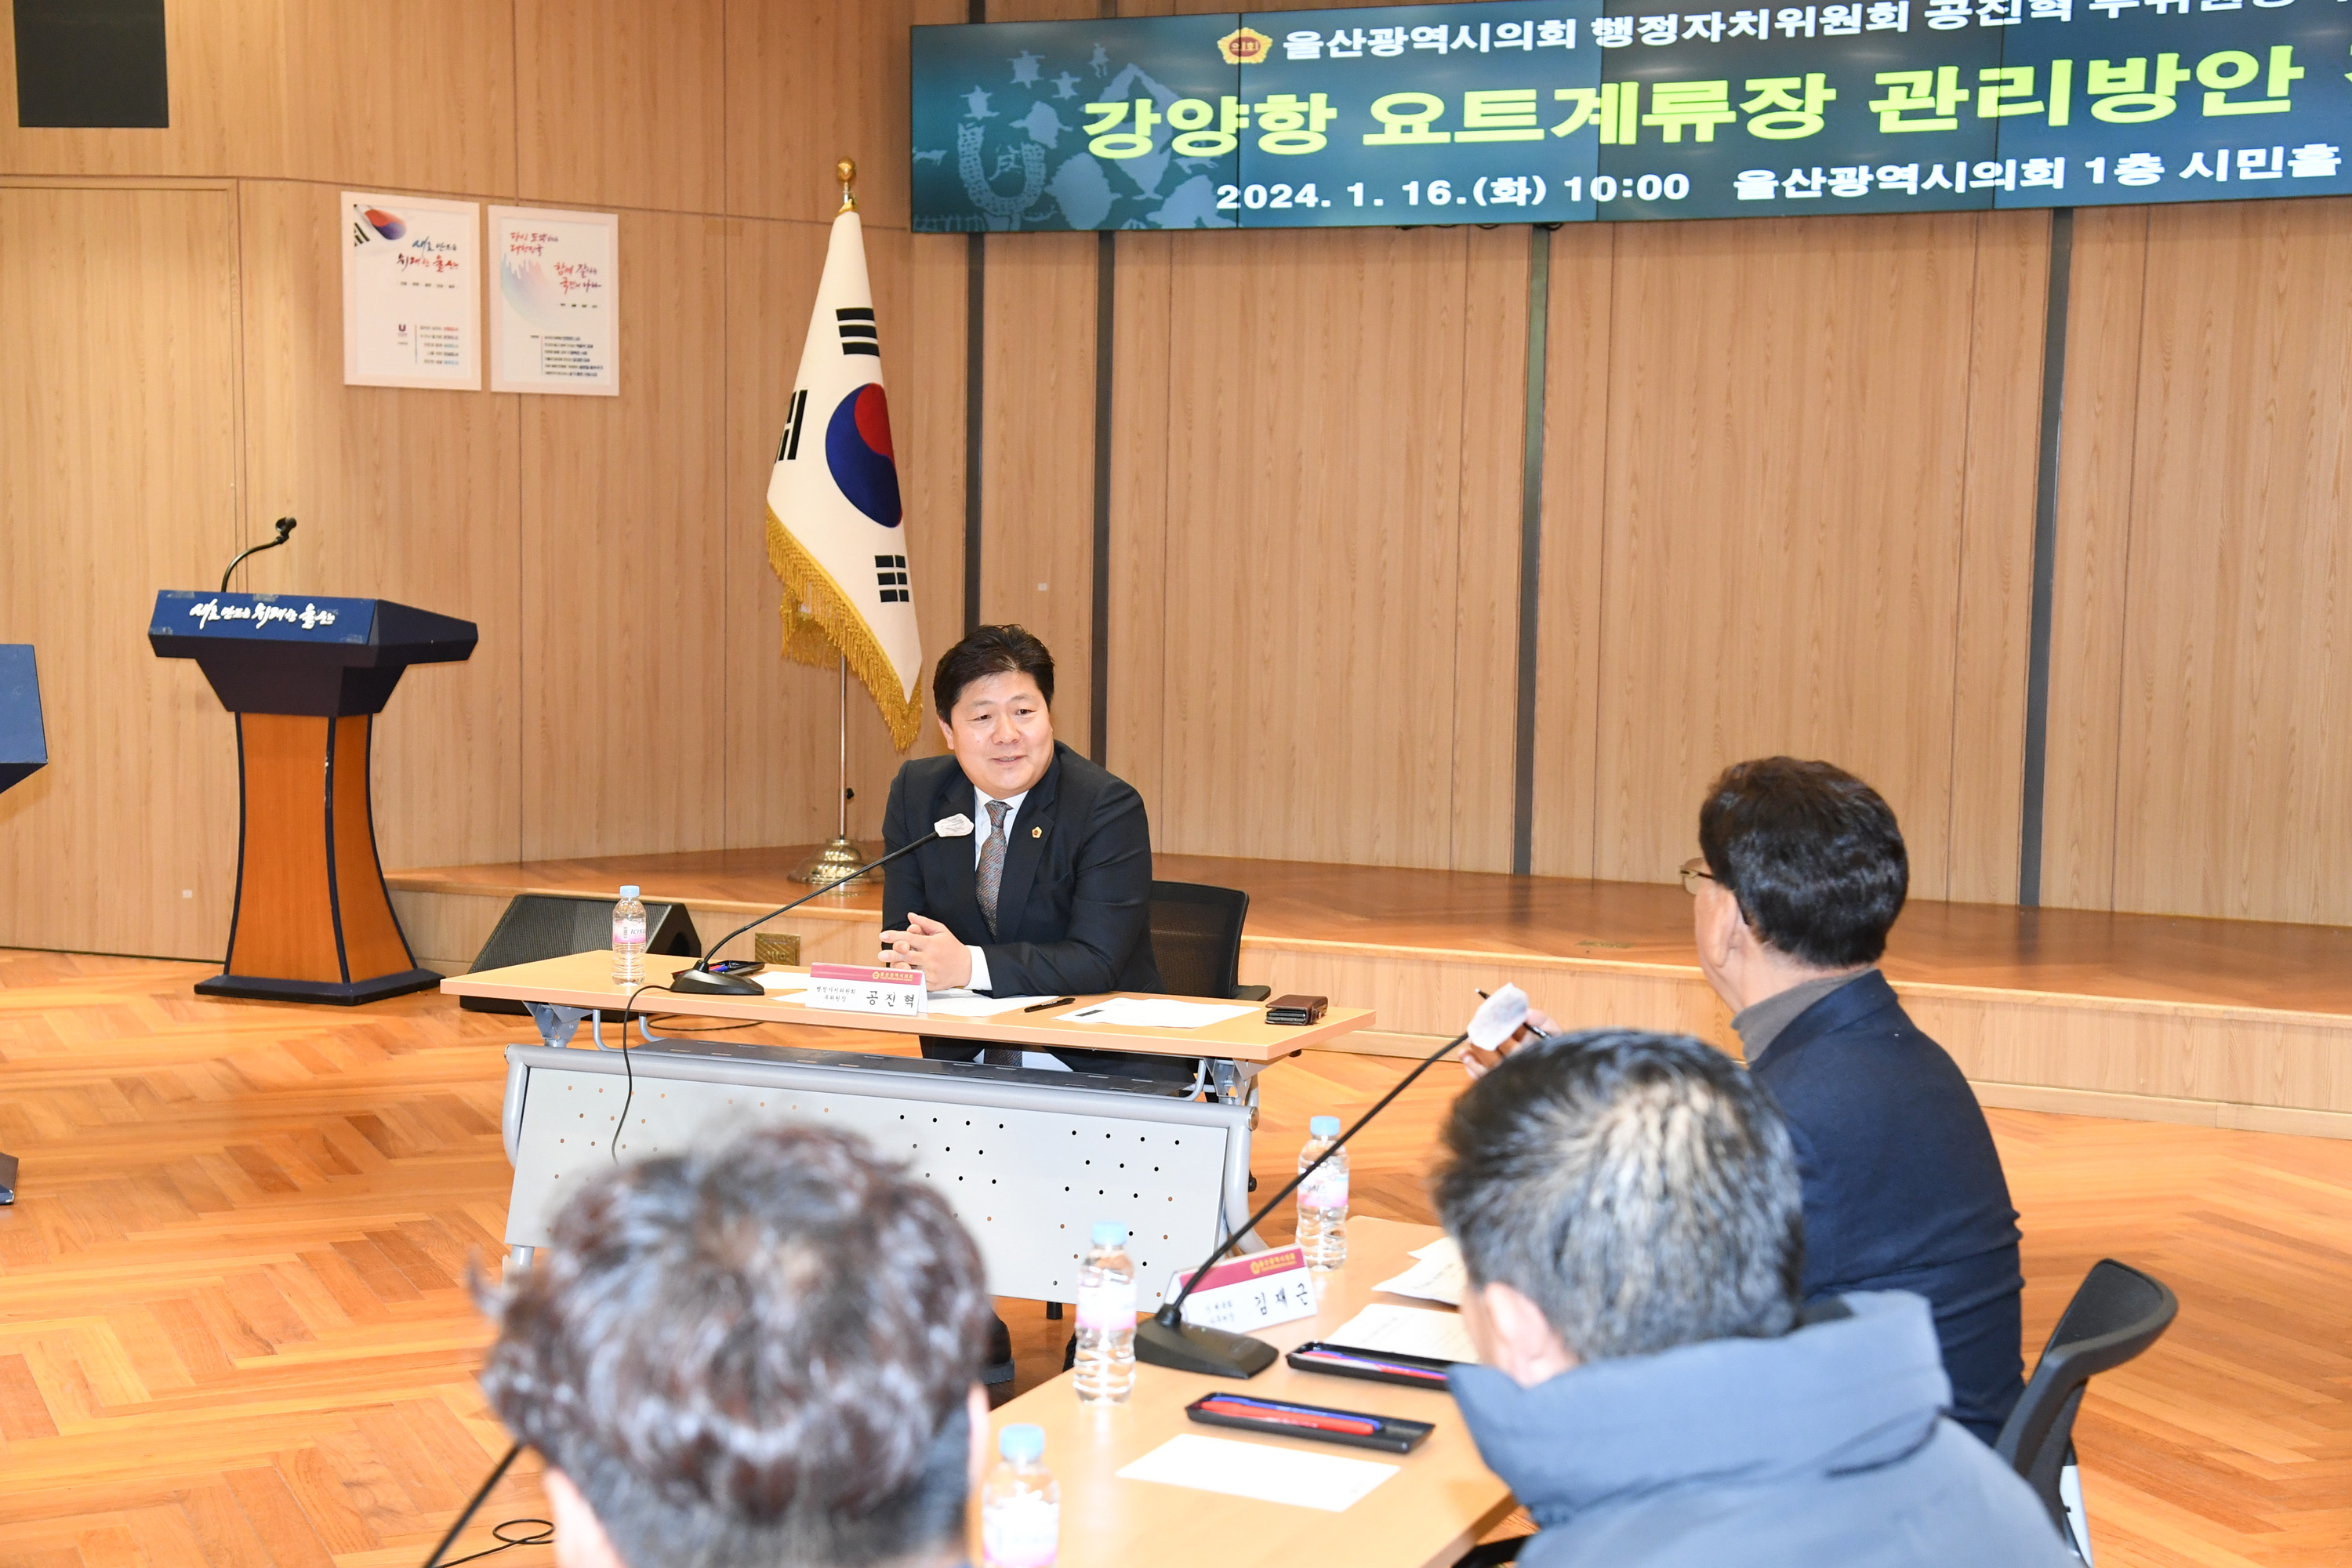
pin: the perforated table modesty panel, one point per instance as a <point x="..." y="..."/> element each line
<point x="1029" y="1159"/>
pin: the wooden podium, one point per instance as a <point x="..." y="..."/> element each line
<point x="306" y="677"/>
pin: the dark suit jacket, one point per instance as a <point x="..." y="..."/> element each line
<point x="1903" y="1186"/>
<point x="1072" y="912"/>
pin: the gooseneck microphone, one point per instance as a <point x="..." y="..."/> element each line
<point x="1165" y="1338"/>
<point x="284" y="531"/>
<point x="697" y="979"/>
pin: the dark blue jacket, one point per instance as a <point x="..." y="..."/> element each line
<point x="1903" y="1186"/>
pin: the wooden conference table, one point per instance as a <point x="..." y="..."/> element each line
<point x="1434" y="1508"/>
<point x="583" y="980"/>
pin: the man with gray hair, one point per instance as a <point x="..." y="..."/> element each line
<point x="763" y="1355"/>
<point x="1653" y="1390"/>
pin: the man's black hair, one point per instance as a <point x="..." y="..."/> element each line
<point x="1641" y="1189"/>
<point x="989" y="650"/>
<point x="1811" y="853"/>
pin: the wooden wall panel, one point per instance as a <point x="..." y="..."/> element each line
<point x="418" y="96"/>
<point x="1315" y="503"/>
<point x="930" y="391"/>
<point x="1494" y="382"/>
<point x="1037" y="465"/>
<point x="783" y="727"/>
<point x="118" y="477"/>
<point x="809" y="85"/>
<point x="2095" y="466"/>
<point x="1142" y="459"/>
<point x="1995" y="621"/>
<point x="403" y="494"/>
<point x="626" y="538"/>
<point x="622" y="104"/>
<point x="227" y="103"/>
<point x="1579" y="332"/>
<point x="1785" y="479"/>
<point x="2237" y="713"/>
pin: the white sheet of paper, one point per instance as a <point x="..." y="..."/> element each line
<point x="1444" y="1246"/>
<point x="1437" y="1275"/>
<point x="966" y="1004"/>
<point x="777" y="980"/>
<point x="1406" y="1330"/>
<point x="1154" y="1013"/>
<point x="1259" y="1470"/>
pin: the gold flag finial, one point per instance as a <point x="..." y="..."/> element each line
<point x="846" y="173"/>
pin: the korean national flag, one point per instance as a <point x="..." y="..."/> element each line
<point x="836" y="534"/>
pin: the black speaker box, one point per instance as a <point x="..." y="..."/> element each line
<point x="537" y="926"/>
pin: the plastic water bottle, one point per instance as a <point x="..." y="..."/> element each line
<point x="1020" y="1506"/>
<point x="629" y="939"/>
<point x="1105" y="1364"/>
<point x="1323" y="1199"/>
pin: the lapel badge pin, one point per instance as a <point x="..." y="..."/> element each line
<point x="1036" y="833"/>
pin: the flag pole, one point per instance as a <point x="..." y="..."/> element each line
<point x="831" y="864"/>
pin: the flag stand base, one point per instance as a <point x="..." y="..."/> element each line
<point x="833" y="862"/>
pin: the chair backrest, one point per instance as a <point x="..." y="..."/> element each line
<point x="1196" y="935"/>
<point x="2116" y="1313"/>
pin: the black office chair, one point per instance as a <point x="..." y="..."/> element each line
<point x="1196" y="935"/>
<point x="2116" y="1313"/>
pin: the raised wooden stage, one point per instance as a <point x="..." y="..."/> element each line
<point x="2218" y="1023"/>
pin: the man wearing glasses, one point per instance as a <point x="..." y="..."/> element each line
<point x="1802" y="876"/>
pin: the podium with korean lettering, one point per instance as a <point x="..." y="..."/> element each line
<point x="306" y="677"/>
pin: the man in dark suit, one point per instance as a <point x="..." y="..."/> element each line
<point x="1802" y="875"/>
<point x="1051" y="896"/>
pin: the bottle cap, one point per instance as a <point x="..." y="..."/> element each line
<point x="1323" y="1127"/>
<point x="1109" y="1232"/>
<point x="629" y="891"/>
<point x="1022" y="1444"/>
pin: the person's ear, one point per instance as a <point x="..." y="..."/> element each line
<point x="947" y="731"/>
<point x="1721" y="928"/>
<point x="1514" y="1337"/>
<point x="580" y="1538"/>
<point x="976" y="1411"/>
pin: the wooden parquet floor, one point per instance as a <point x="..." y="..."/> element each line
<point x="235" y="1327"/>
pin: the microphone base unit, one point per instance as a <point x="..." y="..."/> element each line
<point x="703" y="983"/>
<point x="1193" y="1347"/>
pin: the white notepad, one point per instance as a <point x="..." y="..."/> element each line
<point x="1260" y="1470"/>
<point x="966" y="1004"/>
<point x="1436" y="1276"/>
<point x="1406" y="1330"/>
<point x="1155" y="1013"/>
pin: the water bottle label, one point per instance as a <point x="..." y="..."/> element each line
<point x="1109" y="1306"/>
<point x="1022" y="1531"/>
<point x="1325" y="1189"/>
<point x="629" y="931"/>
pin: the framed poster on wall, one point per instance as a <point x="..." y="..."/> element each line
<point x="555" y="322"/>
<point x="412" y="291"/>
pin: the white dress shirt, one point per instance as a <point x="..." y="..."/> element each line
<point x="980" y="799"/>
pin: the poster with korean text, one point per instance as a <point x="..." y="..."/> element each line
<point x="555" y="324"/>
<point x="412" y="291"/>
